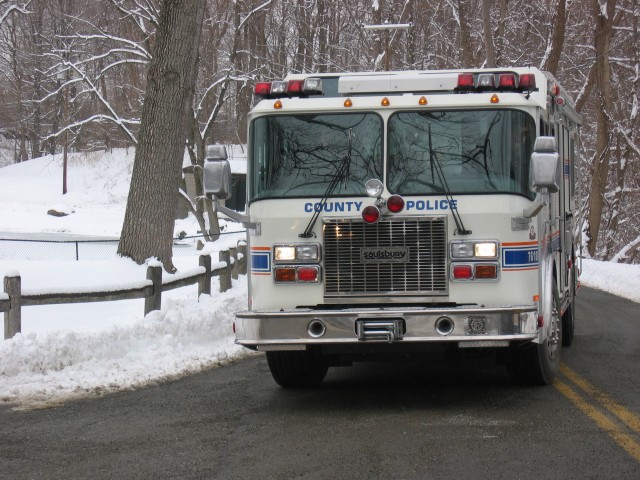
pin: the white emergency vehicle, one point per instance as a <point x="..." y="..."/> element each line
<point x="393" y="212"/>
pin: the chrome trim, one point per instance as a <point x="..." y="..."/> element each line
<point x="297" y="282"/>
<point x="274" y="327"/>
<point x="473" y="257"/>
<point x="425" y="274"/>
<point x="473" y="279"/>
<point x="297" y="261"/>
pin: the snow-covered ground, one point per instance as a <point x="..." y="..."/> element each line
<point x="71" y="351"/>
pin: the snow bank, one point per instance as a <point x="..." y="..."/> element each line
<point x="617" y="278"/>
<point x="184" y="337"/>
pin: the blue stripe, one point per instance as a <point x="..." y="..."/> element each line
<point x="520" y="257"/>
<point x="261" y="262"/>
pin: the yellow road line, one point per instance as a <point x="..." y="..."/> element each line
<point x="625" y="441"/>
<point x="624" y="414"/>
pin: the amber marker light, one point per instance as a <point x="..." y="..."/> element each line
<point x="348" y="103"/>
<point x="277" y="105"/>
<point x="385" y="102"/>
<point x="285" y="274"/>
<point x="487" y="272"/>
<point x="495" y="99"/>
<point x="423" y="100"/>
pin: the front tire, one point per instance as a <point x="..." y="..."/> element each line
<point x="538" y="363"/>
<point x="568" y="325"/>
<point x="569" y="317"/>
<point x="291" y="369"/>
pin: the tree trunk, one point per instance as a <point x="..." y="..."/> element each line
<point x="466" y="48"/>
<point x="149" y="219"/>
<point x="557" y="40"/>
<point x="602" y="41"/>
<point x="488" y="34"/>
<point x="613" y="237"/>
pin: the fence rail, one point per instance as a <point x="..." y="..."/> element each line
<point x="232" y="262"/>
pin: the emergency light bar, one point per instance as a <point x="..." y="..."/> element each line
<point x="361" y="84"/>
<point x="500" y="81"/>
<point x="308" y="86"/>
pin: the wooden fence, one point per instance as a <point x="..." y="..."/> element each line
<point x="232" y="262"/>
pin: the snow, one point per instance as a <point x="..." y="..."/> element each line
<point x="79" y="350"/>
<point x="83" y="350"/>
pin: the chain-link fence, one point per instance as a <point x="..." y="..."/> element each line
<point x="69" y="250"/>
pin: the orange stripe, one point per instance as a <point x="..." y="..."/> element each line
<point x="515" y="244"/>
<point x="260" y="248"/>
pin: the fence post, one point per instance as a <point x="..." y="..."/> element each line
<point x="154" y="302"/>
<point x="233" y="251"/>
<point x="204" y="285"/>
<point x="225" y="275"/>
<point x="242" y="248"/>
<point x="13" y="317"/>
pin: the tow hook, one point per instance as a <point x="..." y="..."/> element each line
<point x="390" y="330"/>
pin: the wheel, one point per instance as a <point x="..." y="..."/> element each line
<point x="569" y="317"/>
<point x="296" y="369"/>
<point x="538" y="363"/>
<point x="568" y="326"/>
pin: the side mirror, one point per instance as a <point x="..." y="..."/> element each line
<point x="544" y="165"/>
<point x="216" y="177"/>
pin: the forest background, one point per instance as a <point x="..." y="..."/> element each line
<point x="73" y="73"/>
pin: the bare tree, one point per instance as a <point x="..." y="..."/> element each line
<point x="488" y="34"/>
<point x="552" y="60"/>
<point x="602" y="39"/>
<point x="148" y="224"/>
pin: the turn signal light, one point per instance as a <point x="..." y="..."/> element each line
<point x="462" y="272"/>
<point x="308" y="274"/>
<point x="475" y="271"/>
<point x="486" y="272"/>
<point x="285" y="274"/>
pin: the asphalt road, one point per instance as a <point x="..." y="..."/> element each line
<point x="428" y="420"/>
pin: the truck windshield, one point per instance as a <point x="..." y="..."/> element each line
<point x="480" y="151"/>
<point x="298" y="155"/>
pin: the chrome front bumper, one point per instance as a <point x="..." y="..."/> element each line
<point x="468" y="326"/>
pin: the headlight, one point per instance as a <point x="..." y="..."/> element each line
<point x="471" y="249"/>
<point x="284" y="253"/>
<point x="461" y="250"/>
<point x="305" y="253"/>
<point x="485" y="250"/>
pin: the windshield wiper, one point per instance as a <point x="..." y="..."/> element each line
<point x="433" y="159"/>
<point x="341" y="173"/>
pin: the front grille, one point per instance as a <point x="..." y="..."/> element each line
<point x="348" y="274"/>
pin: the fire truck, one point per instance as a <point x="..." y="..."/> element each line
<point x="393" y="213"/>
